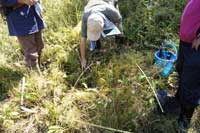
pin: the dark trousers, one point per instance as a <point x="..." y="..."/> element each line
<point x="32" y="46"/>
<point x="188" y="68"/>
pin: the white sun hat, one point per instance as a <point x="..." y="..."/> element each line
<point x="95" y="25"/>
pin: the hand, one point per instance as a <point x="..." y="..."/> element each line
<point x="196" y="43"/>
<point x="117" y="24"/>
<point x="83" y="64"/>
<point x="30" y="2"/>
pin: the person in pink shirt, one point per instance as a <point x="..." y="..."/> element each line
<point x="188" y="63"/>
<point x="187" y="97"/>
<point x="190" y="21"/>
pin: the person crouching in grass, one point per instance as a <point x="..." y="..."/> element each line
<point x="98" y="16"/>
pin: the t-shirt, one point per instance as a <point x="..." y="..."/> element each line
<point x="190" y="21"/>
<point x="24" y="20"/>
<point x="103" y="7"/>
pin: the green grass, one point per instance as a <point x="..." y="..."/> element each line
<point x="111" y="93"/>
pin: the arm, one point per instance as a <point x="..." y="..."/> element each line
<point x="113" y="14"/>
<point x="82" y="50"/>
<point x="83" y="40"/>
<point x="27" y="2"/>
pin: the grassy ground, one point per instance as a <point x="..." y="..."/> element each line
<point x="111" y="93"/>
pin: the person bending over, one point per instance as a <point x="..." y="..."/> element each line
<point x="98" y="16"/>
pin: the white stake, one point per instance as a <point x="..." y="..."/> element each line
<point x="22" y="91"/>
<point x="151" y="88"/>
<point x="22" y="98"/>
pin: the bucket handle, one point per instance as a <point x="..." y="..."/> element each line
<point x="171" y="45"/>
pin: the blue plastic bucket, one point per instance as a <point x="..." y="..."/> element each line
<point x="165" y="59"/>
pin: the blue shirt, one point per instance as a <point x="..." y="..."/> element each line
<point x="23" y="21"/>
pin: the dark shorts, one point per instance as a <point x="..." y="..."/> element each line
<point x="188" y="68"/>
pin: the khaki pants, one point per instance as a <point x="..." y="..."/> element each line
<point x="32" y="46"/>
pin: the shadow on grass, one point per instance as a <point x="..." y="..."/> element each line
<point x="157" y="123"/>
<point x="130" y="112"/>
<point x="149" y="123"/>
<point x="8" y="79"/>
